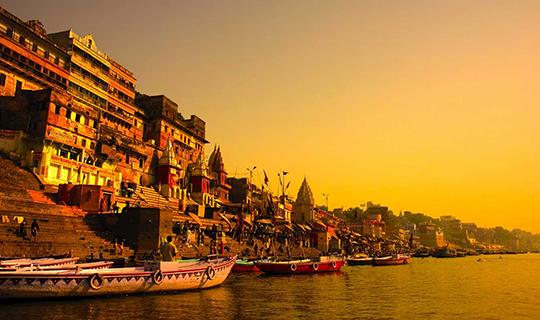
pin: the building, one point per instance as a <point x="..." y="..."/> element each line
<point x="303" y="206"/>
<point x="28" y="58"/>
<point x="69" y="111"/>
<point x="430" y="236"/>
<point x="219" y="186"/>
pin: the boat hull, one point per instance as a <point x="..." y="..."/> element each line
<point x="391" y="262"/>
<point x="360" y="262"/>
<point x="291" y="267"/>
<point x="47" y="284"/>
<point x="245" y="266"/>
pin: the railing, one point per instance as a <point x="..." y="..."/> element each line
<point x="85" y="43"/>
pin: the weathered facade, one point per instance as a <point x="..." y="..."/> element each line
<point x="71" y="110"/>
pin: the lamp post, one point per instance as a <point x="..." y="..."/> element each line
<point x="251" y="177"/>
<point x="327" y="208"/>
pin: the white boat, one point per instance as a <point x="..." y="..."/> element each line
<point x="80" y="266"/>
<point x="42" y="262"/>
<point x="152" y="277"/>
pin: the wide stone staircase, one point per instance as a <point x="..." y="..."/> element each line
<point x="61" y="228"/>
<point x="147" y="197"/>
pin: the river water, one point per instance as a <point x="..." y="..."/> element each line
<point x="498" y="287"/>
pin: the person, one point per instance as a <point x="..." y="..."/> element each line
<point x="168" y="250"/>
<point x="115" y="207"/>
<point x="34" y="228"/>
<point x="22" y="229"/>
<point x="121" y="247"/>
<point x="102" y="205"/>
<point x="115" y="246"/>
<point x="188" y="237"/>
<point x="125" y="209"/>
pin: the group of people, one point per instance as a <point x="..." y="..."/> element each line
<point x="34" y="228"/>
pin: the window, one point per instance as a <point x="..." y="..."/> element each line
<point x="78" y="117"/>
<point x="63" y="153"/>
<point x="56" y="60"/>
<point x="83" y="143"/>
<point x="46" y="54"/>
<point x="87" y="121"/>
<point x="141" y="163"/>
<point x="92" y="145"/>
<point x="9" y="33"/>
<point x="34" y="47"/>
<point x="68" y="114"/>
<point x="57" y="109"/>
<point x="127" y="158"/>
<point x="166" y="128"/>
<point x="73" y="156"/>
<point x="22" y="40"/>
<point x="2" y="79"/>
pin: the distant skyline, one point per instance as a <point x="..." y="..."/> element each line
<point x="422" y="106"/>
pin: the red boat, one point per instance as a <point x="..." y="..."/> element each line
<point x="242" y="265"/>
<point x="300" y="266"/>
<point x="392" y="260"/>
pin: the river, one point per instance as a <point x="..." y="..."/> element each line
<point x="498" y="287"/>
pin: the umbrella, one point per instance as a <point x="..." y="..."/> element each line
<point x="195" y="218"/>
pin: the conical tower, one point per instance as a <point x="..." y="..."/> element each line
<point x="303" y="207"/>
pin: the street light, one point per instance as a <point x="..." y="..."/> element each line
<point x="251" y="174"/>
<point x="327" y="208"/>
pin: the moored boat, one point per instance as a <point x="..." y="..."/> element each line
<point x="41" y="262"/>
<point x="366" y="261"/>
<point x="80" y="266"/>
<point x="243" y="265"/>
<point x="152" y="277"/>
<point x="326" y="264"/>
<point x="395" y="259"/>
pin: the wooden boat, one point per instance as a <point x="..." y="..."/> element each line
<point x="152" y="277"/>
<point x="359" y="261"/>
<point x="81" y="266"/>
<point x="326" y="264"/>
<point x="41" y="262"/>
<point x="242" y="265"/>
<point x="392" y="260"/>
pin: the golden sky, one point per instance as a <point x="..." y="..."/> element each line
<point x="426" y="106"/>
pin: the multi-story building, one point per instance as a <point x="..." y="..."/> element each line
<point x="71" y="110"/>
<point x="28" y="58"/>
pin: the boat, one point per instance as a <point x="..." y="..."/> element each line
<point x="392" y="260"/>
<point x="366" y="261"/>
<point x="324" y="264"/>
<point x="82" y="266"/>
<point x="40" y="262"/>
<point x="243" y="265"/>
<point x="154" y="276"/>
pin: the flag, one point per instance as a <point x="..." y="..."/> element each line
<point x="287" y="187"/>
<point x="265" y="178"/>
<point x="279" y="179"/>
<point x="285" y="173"/>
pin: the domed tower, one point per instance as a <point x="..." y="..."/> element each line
<point x="303" y="207"/>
